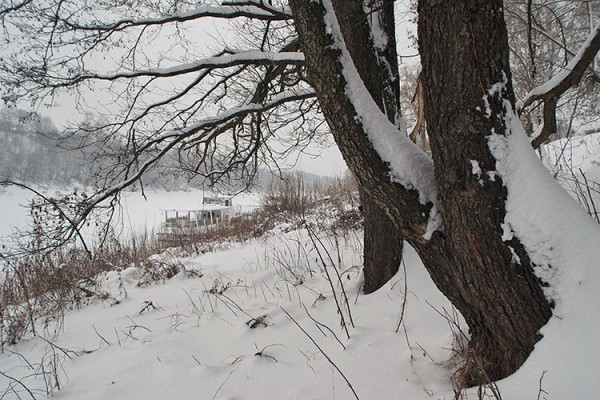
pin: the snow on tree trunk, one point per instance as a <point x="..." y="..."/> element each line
<point x="466" y="79"/>
<point x="379" y="71"/>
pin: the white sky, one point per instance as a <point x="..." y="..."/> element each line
<point x="328" y="162"/>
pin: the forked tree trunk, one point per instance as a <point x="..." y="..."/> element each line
<point x="490" y="281"/>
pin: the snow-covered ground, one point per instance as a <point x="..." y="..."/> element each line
<point x="221" y="330"/>
<point x="197" y="340"/>
<point x="577" y="153"/>
<point x="199" y="343"/>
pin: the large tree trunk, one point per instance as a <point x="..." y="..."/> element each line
<point x="489" y="280"/>
<point x="466" y="78"/>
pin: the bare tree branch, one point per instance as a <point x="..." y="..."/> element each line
<point x="14" y="6"/>
<point x="204" y="131"/>
<point x="72" y="226"/>
<point x="167" y="105"/>
<point x="539" y="30"/>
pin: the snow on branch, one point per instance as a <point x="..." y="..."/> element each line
<point x="409" y="165"/>
<point x="14" y="7"/>
<point x="260" y="4"/>
<point x="228" y="10"/>
<point x="550" y="92"/>
<point x="277" y="100"/>
<point x="223" y="60"/>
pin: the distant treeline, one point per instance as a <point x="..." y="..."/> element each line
<point x="33" y="150"/>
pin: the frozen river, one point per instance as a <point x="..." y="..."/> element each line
<point x="138" y="214"/>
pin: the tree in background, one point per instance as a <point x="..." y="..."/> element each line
<point x="544" y="38"/>
<point x="222" y="114"/>
<point x="34" y="155"/>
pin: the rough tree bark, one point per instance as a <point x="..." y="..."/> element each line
<point x="383" y="242"/>
<point x="490" y="281"/>
<point x="383" y="245"/>
<point x="464" y="53"/>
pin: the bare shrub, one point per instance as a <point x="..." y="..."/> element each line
<point x="40" y="285"/>
<point x="157" y="269"/>
<point x="41" y="282"/>
<point x="587" y="192"/>
<point x="565" y="159"/>
<point x="290" y="194"/>
<point x="293" y="196"/>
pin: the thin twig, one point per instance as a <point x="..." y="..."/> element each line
<point x="19" y="382"/>
<point x="117" y="334"/>
<point x="404" y="300"/>
<point x="99" y="335"/>
<point x="222" y="384"/>
<point x="319" y="324"/>
<point x="540" y="390"/>
<point x="337" y="303"/>
<point x="335" y="269"/>
<point x="592" y="202"/>
<point x="322" y="352"/>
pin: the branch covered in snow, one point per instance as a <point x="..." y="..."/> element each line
<point x="228" y="10"/>
<point x="58" y="43"/>
<point x="224" y="60"/>
<point x="409" y="165"/>
<point x="550" y="92"/>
